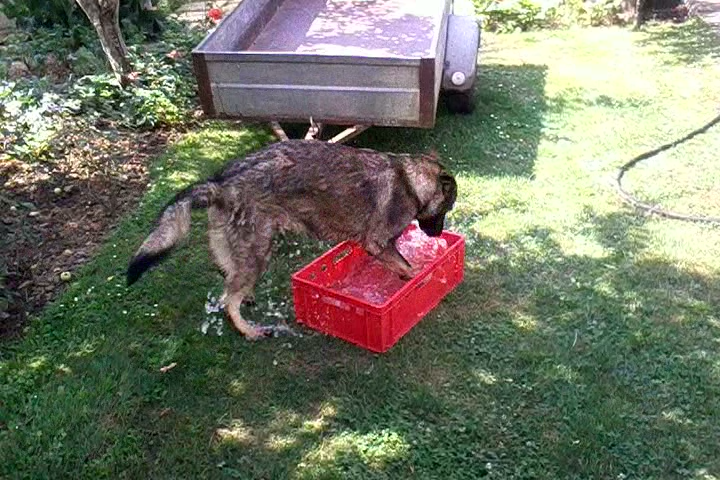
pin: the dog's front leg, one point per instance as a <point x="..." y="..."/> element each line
<point x="392" y="259"/>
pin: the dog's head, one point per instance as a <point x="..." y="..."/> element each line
<point x="431" y="216"/>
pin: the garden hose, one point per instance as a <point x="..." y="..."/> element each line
<point x="632" y="200"/>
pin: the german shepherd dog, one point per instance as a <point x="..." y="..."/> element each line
<point x="329" y="191"/>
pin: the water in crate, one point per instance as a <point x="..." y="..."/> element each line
<point x="419" y="249"/>
<point x="371" y="282"/>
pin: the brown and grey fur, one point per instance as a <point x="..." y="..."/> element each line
<point x="329" y="191"/>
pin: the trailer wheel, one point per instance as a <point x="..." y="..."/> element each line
<point x="462" y="103"/>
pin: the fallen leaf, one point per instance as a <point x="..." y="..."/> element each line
<point x="167" y="368"/>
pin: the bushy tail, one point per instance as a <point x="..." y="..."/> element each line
<point x="173" y="225"/>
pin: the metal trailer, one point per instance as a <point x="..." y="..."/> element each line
<point x="355" y="63"/>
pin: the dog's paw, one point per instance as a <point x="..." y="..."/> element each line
<point x="249" y="302"/>
<point x="408" y="275"/>
<point x="258" y="333"/>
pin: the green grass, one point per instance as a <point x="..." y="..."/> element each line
<point x="583" y="343"/>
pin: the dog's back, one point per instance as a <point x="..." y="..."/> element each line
<point x="334" y="192"/>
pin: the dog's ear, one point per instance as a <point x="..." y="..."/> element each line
<point x="447" y="182"/>
<point x="449" y="187"/>
<point x="433" y="155"/>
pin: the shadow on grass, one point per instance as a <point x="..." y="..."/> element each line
<point x="510" y="104"/>
<point x="542" y="364"/>
<point x="547" y="362"/>
<point x="691" y="42"/>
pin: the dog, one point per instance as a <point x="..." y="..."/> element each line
<point x="328" y="191"/>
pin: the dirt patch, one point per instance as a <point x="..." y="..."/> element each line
<point x="55" y="214"/>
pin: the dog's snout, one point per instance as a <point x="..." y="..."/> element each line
<point x="433" y="227"/>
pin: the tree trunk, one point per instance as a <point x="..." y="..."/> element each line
<point x="105" y="17"/>
<point x="639" y="14"/>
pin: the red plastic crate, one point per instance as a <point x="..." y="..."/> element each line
<point x="374" y="327"/>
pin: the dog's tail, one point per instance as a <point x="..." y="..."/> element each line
<point x="173" y="225"/>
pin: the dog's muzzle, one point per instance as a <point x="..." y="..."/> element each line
<point x="433" y="227"/>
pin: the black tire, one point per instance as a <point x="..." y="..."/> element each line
<point x="462" y="103"/>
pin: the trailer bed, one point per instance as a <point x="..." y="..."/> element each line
<point x="344" y="62"/>
<point x="385" y="28"/>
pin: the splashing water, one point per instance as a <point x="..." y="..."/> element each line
<point x="213" y="315"/>
<point x="371" y="282"/>
<point x="214" y="319"/>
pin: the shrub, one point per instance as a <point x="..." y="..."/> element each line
<point x="42" y="13"/>
<point x="585" y="13"/>
<point x="164" y="89"/>
<point x="33" y="110"/>
<point x="513" y="15"/>
<point x="30" y="115"/>
<point x="85" y="61"/>
<point x="64" y="15"/>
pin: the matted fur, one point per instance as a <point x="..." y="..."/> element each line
<point x="328" y="191"/>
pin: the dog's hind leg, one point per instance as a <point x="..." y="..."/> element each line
<point x="263" y="246"/>
<point x="231" y="255"/>
<point x="234" y="296"/>
<point x="252" y="252"/>
<point x="262" y="252"/>
<point x="251" y="261"/>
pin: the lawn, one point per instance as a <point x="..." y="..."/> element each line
<point x="583" y="343"/>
